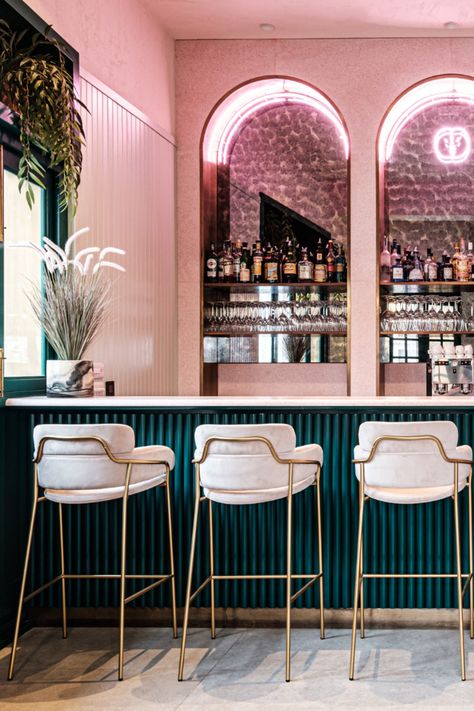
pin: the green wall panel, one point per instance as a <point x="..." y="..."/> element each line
<point x="248" y="538"/>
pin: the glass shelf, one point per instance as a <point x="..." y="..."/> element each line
<point x="420" y="287"/>
<point x="303" y="286"/>
<point x="262" y="332"/>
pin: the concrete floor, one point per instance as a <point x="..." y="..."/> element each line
<point x="241" y="669"/>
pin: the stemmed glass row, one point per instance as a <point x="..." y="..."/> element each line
<point x="425" y="313"/>
<point x="299" y="316"/>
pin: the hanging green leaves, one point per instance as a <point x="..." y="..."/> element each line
<point x="36" y="86"/>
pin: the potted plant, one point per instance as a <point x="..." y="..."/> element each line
<point x="71" y="306"/>
<point x="37" y="87"/>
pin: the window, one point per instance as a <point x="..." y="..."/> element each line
<point x="23" y="340"/>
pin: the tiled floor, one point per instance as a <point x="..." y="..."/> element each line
<point x="242" y="669"/>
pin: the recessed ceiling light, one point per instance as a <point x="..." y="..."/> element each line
<point x="451" y="25"/>
<point x="267" y="27"/>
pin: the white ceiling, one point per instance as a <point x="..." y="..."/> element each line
<point x="240" y="19"/>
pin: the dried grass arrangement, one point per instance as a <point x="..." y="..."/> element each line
<point x="72" y="304"/>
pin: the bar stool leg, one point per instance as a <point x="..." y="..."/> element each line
<point x="357" y="572"/>
<point x="23" y="581"/>
<point x="471" y="582"/>
<point x="211" y="560"/>
<point x="320" y="557"/>
<point x="458" y="574"/>
<point x="171" y="549"/>
<point x="288" y="570"/>
<point x="63" y="572"/>
<point x="361" y="572"/>
<point x="122" y="571"/>
<point x="190" y="576"/>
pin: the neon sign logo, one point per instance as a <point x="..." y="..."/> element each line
<point x="452" y="144"/>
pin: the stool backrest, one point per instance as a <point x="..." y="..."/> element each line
<point x="81" y="464"/>
<point x="408" y="463"/>
<point x="244" y="465"/>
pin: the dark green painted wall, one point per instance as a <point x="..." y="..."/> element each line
<point x="248" y="539"/>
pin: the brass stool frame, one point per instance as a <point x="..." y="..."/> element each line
<point x="360" y="576"/>
<point x="123" y="577"/>
<point x="289" y="577"/>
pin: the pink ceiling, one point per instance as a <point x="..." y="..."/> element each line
<point x="240" y="19"/>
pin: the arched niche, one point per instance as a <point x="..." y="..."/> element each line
<point x="426" y="164"/>
<point x="282" y="139"/>
<point x="425" y="158"/>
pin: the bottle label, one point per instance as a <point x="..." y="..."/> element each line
<point x="305" y="271"/>
<point x="340" y="268"/>
<point x="236" y="268"/>
<point x="244" y="274"/>
<point x="271" y="271"/>
<point x="320" y="273"/>
<point x="257" y="266"/>
<point x="228" y="269"/>
<point x="448" y="273"/>
<point x="211" y="268"/>
<point x="289" y="268"/>
<point x="432" y="271"/>
<point x="397" y="273"/>
<point x="463" y="270"/>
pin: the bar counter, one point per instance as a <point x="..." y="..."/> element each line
<point x="248" y="538"/>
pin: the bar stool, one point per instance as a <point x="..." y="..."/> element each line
<point x="249" y="464"/>
<point x="86" y="464"/>
<point x="412" y="463"/>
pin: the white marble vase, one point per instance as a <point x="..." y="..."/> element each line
<point x="69" y="378"/>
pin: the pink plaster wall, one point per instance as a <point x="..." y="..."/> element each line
<point x="280" y="379"/>
<point x="362" y="76"/>
<point x="122" y="44"/>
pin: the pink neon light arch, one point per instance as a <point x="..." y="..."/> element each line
<point x="452" y="89"/>
<point x="232" y="113"/>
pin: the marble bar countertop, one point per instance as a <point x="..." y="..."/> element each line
<point x="183" y="402"/>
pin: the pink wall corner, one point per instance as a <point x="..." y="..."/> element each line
<point x="122" y="44"/>
<point x="362" y="77"/>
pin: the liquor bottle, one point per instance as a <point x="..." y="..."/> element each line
<point x="394" y="253"/>
<point x="320" y="269"/>
<point x="430" y="267"/>
<point x="211" y="264"/>
<point x="416" y="273"/>
<point x="305" y="266"/>
<point x="407" y="263"/>
<point x="270" y="265"/>
<point x="330" y="262"/>
<point x="220" y="264"/>
<point x="385" y="262"/>
<point x="244" y="272"/>
<point x="454" y="261"/>
<point x="257" y="263"/>
<point x="289" y="266"/>
<point x="463" y="266"/>
<point x="236" y="254"/>
<point x="341" y="266"/>
<point x="397" y="269"/>
<point x="470" y="255"/>
<point x="447" y="269"/>
<point x="228" y="262"/>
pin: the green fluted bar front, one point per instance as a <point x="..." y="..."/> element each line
<point x="248" y="538"/>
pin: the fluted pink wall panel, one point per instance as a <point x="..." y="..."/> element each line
<point x="127" y="199"/>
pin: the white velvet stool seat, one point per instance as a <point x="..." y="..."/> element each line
<point x="233" y="468"/>
<point x="80" y="471"/>
<point x="413" y="463"/>
<point x="88" y="464"/>
<point x="253" y="464"/>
